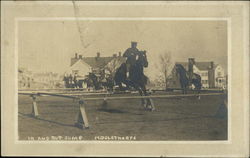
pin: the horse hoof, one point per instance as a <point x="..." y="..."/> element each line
<point x="151" y="108"/>
<point x="145" y="108"/>
<point x="144" y="105"/>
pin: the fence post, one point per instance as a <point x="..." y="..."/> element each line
<point x="104" y="103"/>
<point x="82" y="120"/>
<point x="152" y="104"/>
<point x="34" y="106"/>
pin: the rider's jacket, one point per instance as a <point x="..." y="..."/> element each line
<point x="131" y="54"/>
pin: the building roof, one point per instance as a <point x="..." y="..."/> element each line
<point x="199" y="65"/>
<point x="95" y="62"/>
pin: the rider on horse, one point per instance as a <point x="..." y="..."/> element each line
<point x="131" y="55"/>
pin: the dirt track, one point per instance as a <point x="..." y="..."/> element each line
<point x="174" y="119"/>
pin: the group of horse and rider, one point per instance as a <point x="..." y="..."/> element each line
<point x="126" y="74"/>
<point x="131" y="74"/>
<point x="75" y="81"/>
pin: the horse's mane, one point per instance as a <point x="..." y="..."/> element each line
<point x="181" y="67"/>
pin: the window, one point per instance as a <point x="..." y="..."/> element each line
<point x="204" y="81"/>
<point x="204" y="74"/>
<point x="75" y="71"/>
<point x="219" y="74"/>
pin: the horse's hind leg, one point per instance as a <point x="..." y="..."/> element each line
<point x="143" y="103"/>
<point x="184" y="90"/>
<point x="198" y="88"/>
<point x="149" y="101"/>
<point x="199" y="96"/>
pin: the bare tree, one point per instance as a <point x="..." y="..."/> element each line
<point x="164" y="66"/>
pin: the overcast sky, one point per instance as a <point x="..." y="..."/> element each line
<point x="49" y="45"/>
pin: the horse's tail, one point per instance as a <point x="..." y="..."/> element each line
<point x="146" y="79"/>
<point x="198" y="81"/>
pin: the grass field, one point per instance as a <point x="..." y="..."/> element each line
<point x="174" y="119"/>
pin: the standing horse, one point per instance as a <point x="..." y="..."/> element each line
<point x="107" y="83"/>
<point x="184" y="79"/>
<point x="136" y="78"/>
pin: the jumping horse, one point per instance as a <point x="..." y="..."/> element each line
<point x="136" y="78"/>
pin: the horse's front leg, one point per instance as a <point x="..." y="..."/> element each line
<point x="183" y="88"/>
<point x="120" y="86"/>
<point x="128" y="84"/>
<point x="198" y="91"/>
<point x="186" y="88"/>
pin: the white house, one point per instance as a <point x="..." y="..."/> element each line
<point x="212" y="76"/>
<point x="25" y="78"/>
<point x="80" y="68"/>
<point x="204" y="75"/>
<point x="98" y="65"/>
<point x="220" y="77"/>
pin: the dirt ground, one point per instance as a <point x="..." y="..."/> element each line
<point x="174" y="119"/>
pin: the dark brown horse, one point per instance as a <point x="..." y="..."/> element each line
<point x="136" y="79"/>
<point x="184" y="79"/>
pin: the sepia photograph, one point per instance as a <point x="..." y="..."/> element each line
<point x="134" y="78"/>
<point x="120" y="78"/>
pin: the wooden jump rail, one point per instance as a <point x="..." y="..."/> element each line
<point x="151" y="96"/>
<point x="82" y="120"/>
<point x="86" y="93"/>
<point x="100" y="91"/>
<point x="46" y="89"/>
<point x="76" y="93"/>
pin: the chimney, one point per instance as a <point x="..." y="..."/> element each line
<point x="211" y="64"/>
<point x="80" y="56"/>
<point x="75" y="55"/>
<point x="120" y="54"/>
<point x="115" y="55"/>
<point x="98" y="54"/>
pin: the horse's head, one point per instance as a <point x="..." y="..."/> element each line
<point x="142" y="58"/>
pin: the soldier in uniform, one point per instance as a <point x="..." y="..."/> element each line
<point x="131" y="55"/>
<point x="66" y="81"/>
<point x="70" y="81"/>
<point x="75" y="81"/>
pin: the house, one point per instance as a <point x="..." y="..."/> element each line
<point x="98" y="65"/>
<point x="220" y="77"/>
<point x="212" y="76"/>
<point x="29" y="79"/>
<point x="79" y="67"/>
<point x="25" y="78"/>
<point x="47" y="80"/>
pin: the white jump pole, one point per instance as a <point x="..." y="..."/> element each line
<point x="82" y="120"/>
<point x="34" y="106"/>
